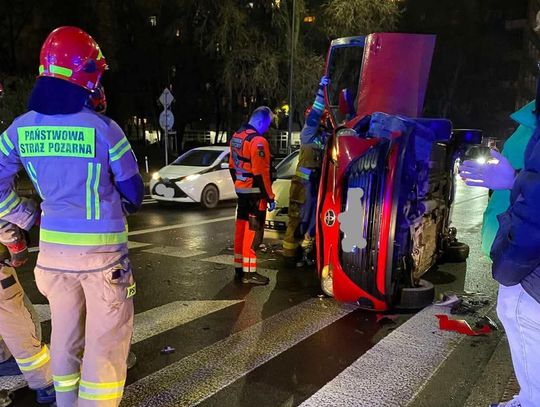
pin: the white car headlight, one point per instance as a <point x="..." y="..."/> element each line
<point x="481" y="160"/>
<point x="156" y="176"/>
<point x="192" y="177"/>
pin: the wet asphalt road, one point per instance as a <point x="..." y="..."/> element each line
<point x="244" y="346"/>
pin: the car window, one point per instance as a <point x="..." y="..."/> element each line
<point x="198" y="158"/>
<point x="287" y="168"/>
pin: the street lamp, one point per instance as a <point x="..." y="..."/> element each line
<point x="291" y="77"/>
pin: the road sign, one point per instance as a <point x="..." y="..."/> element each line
<point x="166" y="120"/>
<point x="166" y="98"/>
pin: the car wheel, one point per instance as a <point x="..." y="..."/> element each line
<point x="456" y="252"/>
<point x="210" y="197"/>
<point x="327" y="281"/>
<point x="418" y="297"/>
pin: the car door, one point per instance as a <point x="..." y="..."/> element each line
<point x="226" y="185"/>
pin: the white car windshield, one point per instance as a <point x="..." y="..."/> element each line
<point x="198" y="158"/>
<point x="287" y="168"/>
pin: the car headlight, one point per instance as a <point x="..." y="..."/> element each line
<point x="481" y="160"/>
<point x="192" y="177"/>
<point x="156" y="176"/>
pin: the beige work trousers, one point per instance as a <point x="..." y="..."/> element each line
<point x="92" y="326"/>
<point x="20" y="330"/>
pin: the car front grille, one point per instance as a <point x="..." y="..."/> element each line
<point x="367" y="172"/>
<point x="178" y="193"/>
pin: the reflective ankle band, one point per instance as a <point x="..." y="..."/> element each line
<point x="64" y="384"/>
<point x="36" y="361"/>
<point x="101" y="391"/>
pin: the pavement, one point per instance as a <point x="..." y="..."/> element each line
<point x="285" y="344"/>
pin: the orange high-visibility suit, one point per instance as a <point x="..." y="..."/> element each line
<point x="249" y="164"/>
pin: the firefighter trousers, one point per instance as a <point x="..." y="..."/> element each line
<point x="297" y="197"/>
<point x="92" y="326"/>
<point x="249" y="232"/>
<point x="21" y="331"/>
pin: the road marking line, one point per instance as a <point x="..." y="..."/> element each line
<point x="180" y="225"/>
<point x="227" y="259"/>
<point x="197" y="377"/>
<point x="160" y="319"/>
<point x="150" y="201"/>
<point x="175" y="251"/>
<point x="136" y="245"/>
<point x="164" y="228"/>
<point x="396" y="369"/>
<point x="470" y="199"/>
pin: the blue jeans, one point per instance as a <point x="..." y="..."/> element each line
<point x="520" y="315"/>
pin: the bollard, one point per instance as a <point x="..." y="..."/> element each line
<point x="146" y="163"/>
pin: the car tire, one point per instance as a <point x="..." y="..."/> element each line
<point x="327" y="283"/>
<point x="210" y="197"/>
<point x="416" y="298"/>
<point x="456" y="252"/>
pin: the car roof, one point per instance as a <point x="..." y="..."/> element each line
<point x="213" y="148"/>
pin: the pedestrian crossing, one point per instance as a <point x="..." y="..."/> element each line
<point x="198" y="376"/>
<point x="232" y="337"/>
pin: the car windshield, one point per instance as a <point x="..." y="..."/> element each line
<point x="287" y="168"/>
<point x="198" y="158"/>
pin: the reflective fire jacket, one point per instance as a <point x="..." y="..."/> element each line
<point x="249" y="163"/>
<point x="74" y="161"/>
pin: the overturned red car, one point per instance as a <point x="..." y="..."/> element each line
<point x="387" y="183"/>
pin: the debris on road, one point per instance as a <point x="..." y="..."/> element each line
<point x="486" y="321"/>
<point x="461" y="326"/>
<point x="448" y="300"/>
<point x="167" y="350"/>
<point x="464" y="303"/>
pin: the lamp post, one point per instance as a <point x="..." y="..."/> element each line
<point x="291" y="77"/>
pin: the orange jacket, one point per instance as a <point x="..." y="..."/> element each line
<point x="249" y="163"/>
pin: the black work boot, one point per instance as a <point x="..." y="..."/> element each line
<point x="255" y="278"/>
<point x="238" y="274"/>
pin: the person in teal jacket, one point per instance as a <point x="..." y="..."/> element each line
<point x="514" y="151"/>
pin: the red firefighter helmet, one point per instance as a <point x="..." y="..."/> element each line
<point x="71" y="54"/>
<point x="325" y="117"/>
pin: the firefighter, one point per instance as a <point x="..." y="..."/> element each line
<point x="250" y="168"/>
<point x="19" y="325"/>
<point x="83" y="168"/>
<point x="305" y="183"/>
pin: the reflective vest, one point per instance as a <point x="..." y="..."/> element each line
<point x="73" y="161"/>
<point x="250" y="162"/>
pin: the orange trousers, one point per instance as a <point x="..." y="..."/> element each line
<point x="249" y="232"/>
<point x="92" y="326"/>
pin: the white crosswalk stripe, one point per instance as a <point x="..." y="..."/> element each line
<point x="181" y="252"/>
<point x="202" y="374"/>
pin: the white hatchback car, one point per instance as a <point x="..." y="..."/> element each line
<point x="276" y="221"/>
<point x="199" y="175"/>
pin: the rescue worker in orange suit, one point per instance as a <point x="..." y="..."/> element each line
<point x="250" y="167"/>
<point x="85" y="172"/>
<point x="19" y="323"/>
<point x="305" y="183"/>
